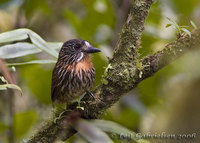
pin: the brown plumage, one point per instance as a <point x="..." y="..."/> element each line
<point x="73" y="73"/>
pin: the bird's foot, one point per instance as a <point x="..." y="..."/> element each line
<point x="91" y="94"/>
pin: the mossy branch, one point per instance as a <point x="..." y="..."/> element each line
<point x="122" y="74"/>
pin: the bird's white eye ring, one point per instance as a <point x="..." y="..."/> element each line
<point x="87" y="44"/>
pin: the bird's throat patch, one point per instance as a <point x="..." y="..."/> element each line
<point x="85" y="64"/>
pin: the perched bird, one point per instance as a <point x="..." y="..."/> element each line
<point x="74" y="72"/>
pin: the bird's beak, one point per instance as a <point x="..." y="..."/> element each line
<point x="91" y="50"/>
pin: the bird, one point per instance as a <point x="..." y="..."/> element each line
<point x="73" y="73"/>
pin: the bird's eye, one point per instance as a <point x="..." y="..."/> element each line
<point x="76" y="47"/>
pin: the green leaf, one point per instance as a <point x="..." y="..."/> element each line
<point x="168" y="25"/>
<point x="23" y="122"/>
<point x="18" y="50"/>
<point x="186" y="31"/>
<point x="112" y="127"/>
<point x="22" y="34"/>
<point x="173" y="22"/>
<point x="41" y="44"/>
<point x="23" y="49"/>
<point x="184" y="26"/>
<point x="12" y="86"/>
<point x="104" y="81"/>
<point x="3" y="126"/>
<point x="5" y="86"/>
<point x="14" y="35"/>
<point x="3" y="79"/>
<point x="193" y="24"/>
<point x="55" y="45"/>
<point x="33" y="62"/>
<point x="91" y="133"/>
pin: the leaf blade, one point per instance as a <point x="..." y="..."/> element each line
<point x="23" y="49"/>
<point x="24" y="33"/>
<point x="112" y="127"/>
<point x="41" y="44"/>
<point x="91" y="133"/>
<point x="168" y="25"/>
<point x="14" y="35"/>
<point x="18" y="50"/>
<point x="186" y="31"/>
<point x="7" y="85"/>
<point x="32" y="62"/>
<point x="109" y="126"/>
<point x="193" y="24"/>
<point x="173" y="22"/>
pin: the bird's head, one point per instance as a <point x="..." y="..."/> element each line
<point x="75" y="50"/>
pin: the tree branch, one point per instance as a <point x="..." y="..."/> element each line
<point x="122" y="74"/>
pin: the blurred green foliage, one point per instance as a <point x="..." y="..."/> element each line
<point x="185" y="7"/>
<point x="30" y="6"/>
<point x="3" y="126"/>
<point x="39" y="82"/>
<point x="95" y="21"/>
<point x="23" y="122"/>
<point x="155" y="14"/>
<point x="87" y="25"/>
<point x="4" y="1"/>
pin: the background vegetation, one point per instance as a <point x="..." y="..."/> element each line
<point x="166" y="102"/>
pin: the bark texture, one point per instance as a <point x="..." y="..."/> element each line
<point x="123" y="72"/>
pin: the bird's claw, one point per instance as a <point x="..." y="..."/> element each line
<point x="91" y="94"/>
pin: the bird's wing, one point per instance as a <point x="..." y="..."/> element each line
<point x="55" y="89"/>
<point x="60" y="79"/>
